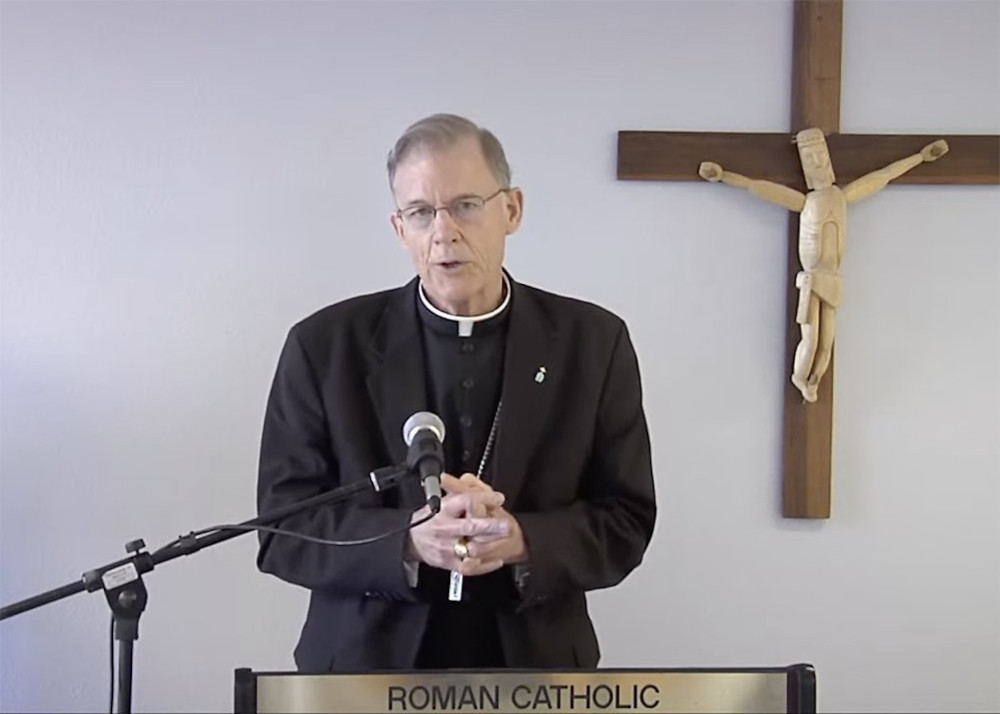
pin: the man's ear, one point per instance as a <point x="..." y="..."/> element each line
<point x="397" y="227"/>
<point x="513" y="208"/>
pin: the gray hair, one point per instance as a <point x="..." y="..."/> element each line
<point x="442" y="131"/>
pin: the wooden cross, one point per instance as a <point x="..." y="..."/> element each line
<point x="675" y="156"/>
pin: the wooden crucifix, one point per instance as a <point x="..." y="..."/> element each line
<point x="676" y="156"/>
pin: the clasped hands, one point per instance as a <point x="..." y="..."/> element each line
<point x="471" y="513"/>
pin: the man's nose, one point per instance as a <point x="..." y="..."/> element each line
<point x="443" y="225"/>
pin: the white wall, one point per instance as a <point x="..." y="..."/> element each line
<point x="183" y="181"/>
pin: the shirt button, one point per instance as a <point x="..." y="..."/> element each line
<point x="468" y="382"/>
<point x="466" y="420"/>
<point x="468" y="346"/>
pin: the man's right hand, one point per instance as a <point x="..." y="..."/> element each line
<point x="433" y="542"/>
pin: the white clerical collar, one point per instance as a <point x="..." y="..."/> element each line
<point x="465" y="323"/>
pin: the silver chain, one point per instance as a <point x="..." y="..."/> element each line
<point x="489" y="442"/>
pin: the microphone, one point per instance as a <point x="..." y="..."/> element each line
<point x="423" y="433"/>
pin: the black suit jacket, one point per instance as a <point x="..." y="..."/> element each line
<point x="572" y="457"/>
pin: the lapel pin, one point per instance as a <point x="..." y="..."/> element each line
<point x="540" y="375"/>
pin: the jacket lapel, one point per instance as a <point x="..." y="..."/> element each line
<point x="396" y="377"/>
<point x="528" y="391"/>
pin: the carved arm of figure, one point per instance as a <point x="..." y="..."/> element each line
<point x="877" y="180"/>
<point x="768" y="190"/>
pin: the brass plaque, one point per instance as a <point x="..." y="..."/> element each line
<point x="587" y="692"/>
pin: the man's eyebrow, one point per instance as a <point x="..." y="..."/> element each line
<point x="421" y="202"/>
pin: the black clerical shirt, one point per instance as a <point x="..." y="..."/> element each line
<point x="464" y="376"/>
<point x="464" y="372"/>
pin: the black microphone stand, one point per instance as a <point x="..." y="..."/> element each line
<point x="122" y="580"/>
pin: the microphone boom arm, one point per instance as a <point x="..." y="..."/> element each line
<point x="122" y="579"/>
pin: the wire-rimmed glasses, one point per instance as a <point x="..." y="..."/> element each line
<point x="467" y="210"/>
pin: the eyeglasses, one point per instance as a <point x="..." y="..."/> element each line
<point x="467" y="210"/>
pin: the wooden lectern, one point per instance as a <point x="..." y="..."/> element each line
<point x="607" y="691"/>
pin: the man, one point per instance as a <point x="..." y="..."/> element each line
<point x="541" y="398"/>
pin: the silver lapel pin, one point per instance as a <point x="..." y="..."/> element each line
<point x="540" y="375"/>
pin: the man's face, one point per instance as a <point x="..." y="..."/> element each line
<point x="459" y="259"/>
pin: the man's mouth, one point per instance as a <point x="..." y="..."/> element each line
<point x="451" y="264"/>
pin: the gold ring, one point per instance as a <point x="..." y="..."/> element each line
<point x="461" y="550"/>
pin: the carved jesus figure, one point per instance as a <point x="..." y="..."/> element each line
<point x="822" y="240"/>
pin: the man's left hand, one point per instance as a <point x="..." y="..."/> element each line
<point x="511" y="549"/>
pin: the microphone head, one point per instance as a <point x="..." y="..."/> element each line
<point x="423" y="420"/>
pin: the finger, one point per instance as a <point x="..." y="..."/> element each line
<point x="468" y="482"/>
<point x="478" y="509"/>
<point x="453" y="485"/>
<point x="485" y="528"/>
<point x="471" y="567"/>
<point x="483" y="504"/>
<point x="483" y="539"/>
<point x="473" y="481"/>
<point x="487" y="504"/>
<point x="459" y="504"/>
<point x="490" y="498"/>
<point x="455" y="505"/>
<point x="486" y="549"/>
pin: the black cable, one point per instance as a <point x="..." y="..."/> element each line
<point x="293" y="534"/>
<point x="111" y="665"/>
